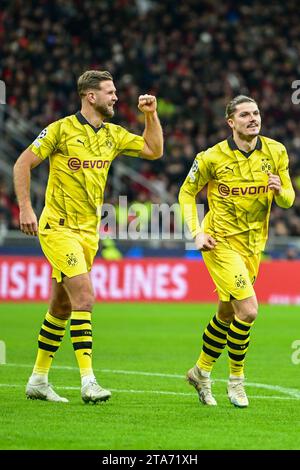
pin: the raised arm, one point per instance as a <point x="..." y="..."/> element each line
<point x="153" y="135"/>
<point x="22" y="177"/>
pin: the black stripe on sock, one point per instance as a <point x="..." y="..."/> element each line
<point x="51" y="336"/>
<point x="54" y="327"/>
<point x="76" y="333"/>
<point x="215" y="332"/>
<point x="211" y="342"/>
<point x="82" y="345"/>
<point x="47" y="347"/>
<point x="236" y="357"/>
<point x="80" y="322"/>
<point x="240" y="326"/>
<point x="210" y="352"/>
<point x="217" y="323"/>
<point x="235" y="335"/>
<point x="238" y="347"/>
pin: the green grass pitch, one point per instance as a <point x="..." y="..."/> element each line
<point x="142" y="352"/>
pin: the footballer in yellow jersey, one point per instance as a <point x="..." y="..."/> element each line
<point x="243" y="175"/>
<point x="81" y="149"/>
<point x="80" y="157"/>
<point x="238" y="193"/>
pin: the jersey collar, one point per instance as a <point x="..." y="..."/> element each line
<point x="83" y="121"/>
<point x="232" y="145"/>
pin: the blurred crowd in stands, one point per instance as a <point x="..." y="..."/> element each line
<point x="194" y="55"/>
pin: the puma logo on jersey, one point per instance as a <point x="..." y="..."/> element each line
<point x="78" y="140"/>
<point x="228" y="168"/>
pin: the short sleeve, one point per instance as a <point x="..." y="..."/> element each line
<point x="47" y="141"/>
<point x="199" y="174"/>
<point x="129" y="144"/>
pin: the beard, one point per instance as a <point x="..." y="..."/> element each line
<point x="105" y="111"/>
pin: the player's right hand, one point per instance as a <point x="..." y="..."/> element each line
<point x="28" y="221"/>
<point x="205" y="242"/>
<point x="147" y="103"/>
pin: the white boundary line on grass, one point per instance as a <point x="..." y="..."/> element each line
<point x="290" y="392"/>
<point x="157" y="392"/>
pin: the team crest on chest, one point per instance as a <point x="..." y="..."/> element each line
<point x="109" y="140"/>
<point x="266" y="166"/>
<point x="109" y="143"/>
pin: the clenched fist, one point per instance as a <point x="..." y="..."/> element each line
<point x="147" y="103"/>
<point x="274" y="183"/>
<point x="205" y="242"/>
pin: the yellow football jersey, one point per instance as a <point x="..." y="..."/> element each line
<point x="238" y="195"/>
<point x="80" y="157"/>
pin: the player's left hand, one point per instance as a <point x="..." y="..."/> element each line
<point x="147" y="103"/>
<point x="274" y="183"/>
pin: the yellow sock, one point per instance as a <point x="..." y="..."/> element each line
<point x="49" y="340"/>
<point x="214" y="341"/>
<point x="81" y="336"/>
<point x="238" y="343"/>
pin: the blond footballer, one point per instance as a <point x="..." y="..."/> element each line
<point x="81" y="149"/>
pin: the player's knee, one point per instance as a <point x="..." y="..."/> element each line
<point x="253" y="311"/>
<point x="246" y="310"/>
<point x="248" y="314"/>
<point x="61" y="309"/>
<point x="66" y="307"/>
<point x="251" y="314"/>
<point x="226" y="316"/>
<point x="85" y="302"/>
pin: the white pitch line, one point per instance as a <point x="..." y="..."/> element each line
<point x="285" y="391"/>
<point x="156" y="392"/>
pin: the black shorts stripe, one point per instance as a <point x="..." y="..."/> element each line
<point x="51" y="336"/>
<point x="76" y="333"/>
<point x="80" y="322"/>
<point x="210" y="352"/>
<point x="236" y="357"/>
<point x="47" y="347"/>
<point x="233" y="334"/>
<point x="240" y="326"/>
<point x="54" y="327"/>
<point x="215" y="332"/>
<point x="82" y="345"/>
<point x="217" y="323"/>
<point x="211" y="342"/>
<point x="238" y="347"/>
